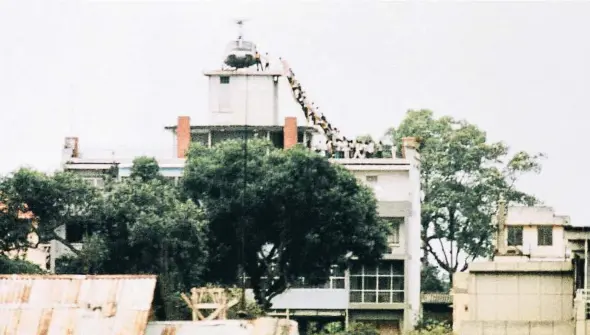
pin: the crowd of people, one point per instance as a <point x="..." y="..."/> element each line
<point x="345" y="148"/>
<point x="336" y="145"/>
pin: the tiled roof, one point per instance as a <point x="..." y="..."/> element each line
<point x="436" y="298"/>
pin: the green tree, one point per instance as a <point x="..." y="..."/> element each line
<point x="365" y="138"/>
<point x="18" y="266"/>
<point x="145" y="168"/>
<point x="429" y="327"/>
<point x="355" y="328"/>
<point x="138" y="226"/>
<point x="463" y="177"/>
<point x="142" y="226"/>
<point x="294" y="215"/>
<point x="48" y="202"/>
<point x="431" y="279"/>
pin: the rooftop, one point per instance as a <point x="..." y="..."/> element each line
<point x="535" y="215"/>
<point x="244" y="72"/>
<point x="207" y="128"/>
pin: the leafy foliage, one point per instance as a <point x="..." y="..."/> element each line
<point x="138" y="226"/>
<point x="433" y="328"/>
<point x="294" y="215"/>
<point x="45" y="203"/>
<point x="145" y="168"/>
<point x="143" y="227"/>
<point x="354" y="328"/>
<point x="18" y="266"/>
<point x="463" y="177"/>
<point x="431" y="280"/>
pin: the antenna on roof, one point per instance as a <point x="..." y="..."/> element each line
<point x="240" y="23"/>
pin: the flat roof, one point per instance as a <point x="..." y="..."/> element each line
<point x="244" y="72"/>
<point x="206" y="128"/>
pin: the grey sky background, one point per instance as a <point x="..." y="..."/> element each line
<point x="115" y="73"/>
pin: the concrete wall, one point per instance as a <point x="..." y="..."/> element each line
<point x="390" y="185"/>
<point x="514" y="298"/>
<point x="246" y="99"/>
<point x="532" y="249"/>
<point x="521" y="297"/>
<point x="530" y="218"/>
<point x="517" y="328"/>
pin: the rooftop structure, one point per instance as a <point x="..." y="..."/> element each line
<point x="243" y="104"/>
<point x="535" y="284"/>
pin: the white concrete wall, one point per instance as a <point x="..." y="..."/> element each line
<point x="529" y="240"/>
<point x="390" y="185"/>
<point x="530" y="218"/>
<point x="247" y="99"/>
<point x="413" y="245"/>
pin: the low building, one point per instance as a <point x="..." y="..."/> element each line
<point x="528" y="287"/>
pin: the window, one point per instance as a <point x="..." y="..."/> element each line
<point x="224" y="80"/>
<point x="515" y="236"/>
<point x="371" y="179"/>
<point x="75" y="232"/>
<point x="545" y="235"/>
<point x="393" y="239"/>
<point x="383" y="284"/>
<point x="336" y="278"/>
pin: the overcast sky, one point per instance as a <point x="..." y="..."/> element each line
<point x="115" y="73"/>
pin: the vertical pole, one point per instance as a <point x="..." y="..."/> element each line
<point x="243" y="221"/>
<point x="346" y="320"/>
<point x="585" y="265"/>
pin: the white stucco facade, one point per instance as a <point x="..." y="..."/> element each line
<point x="244" y="97"/>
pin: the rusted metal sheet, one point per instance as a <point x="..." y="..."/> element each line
<point x="75" y="304"/>
<point x="260" y="326"/>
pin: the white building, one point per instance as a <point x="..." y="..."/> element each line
<point x="247" y="101"/>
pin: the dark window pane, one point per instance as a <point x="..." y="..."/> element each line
<point x="356" y="283"/>
<point x="224" y="80"/>
<point x="385" y="269"/>
<point x="370" y="270"/>
<point x="337" y="271"/>
<point x="397" y="284"/>
<point x="545" y="235"/>
<point x="384" y="297"/>
<point x="398" y="267"/>
<point x="200" y="138"/>
<point x="370" y="283"/>
<point x="356" y="269"/>
<point x="75" y="232"/>
<point x="515" y="236"/>
<point x="370" y="297"/>
<point x="338" y="283"/>
<point x="384" y="283"/>
<point x="299" y="137"/>
<point x="356" y="296"/>
<point x="397" y="297"/>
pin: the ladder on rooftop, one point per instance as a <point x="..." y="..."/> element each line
<point x="309" y="109"/>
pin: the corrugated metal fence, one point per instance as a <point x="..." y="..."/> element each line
<point x="75" y="305"/>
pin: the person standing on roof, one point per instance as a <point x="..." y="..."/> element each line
<point x="266" y="61"/>
<point x="258" y="61"/>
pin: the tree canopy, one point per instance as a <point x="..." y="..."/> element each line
<point x="289" y="214"/>
<point x="46" y="202"/>
<point x="140" y="225"/>
<point x="463" y="176"/>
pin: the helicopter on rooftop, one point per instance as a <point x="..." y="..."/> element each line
<point x="240" y="53"/>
